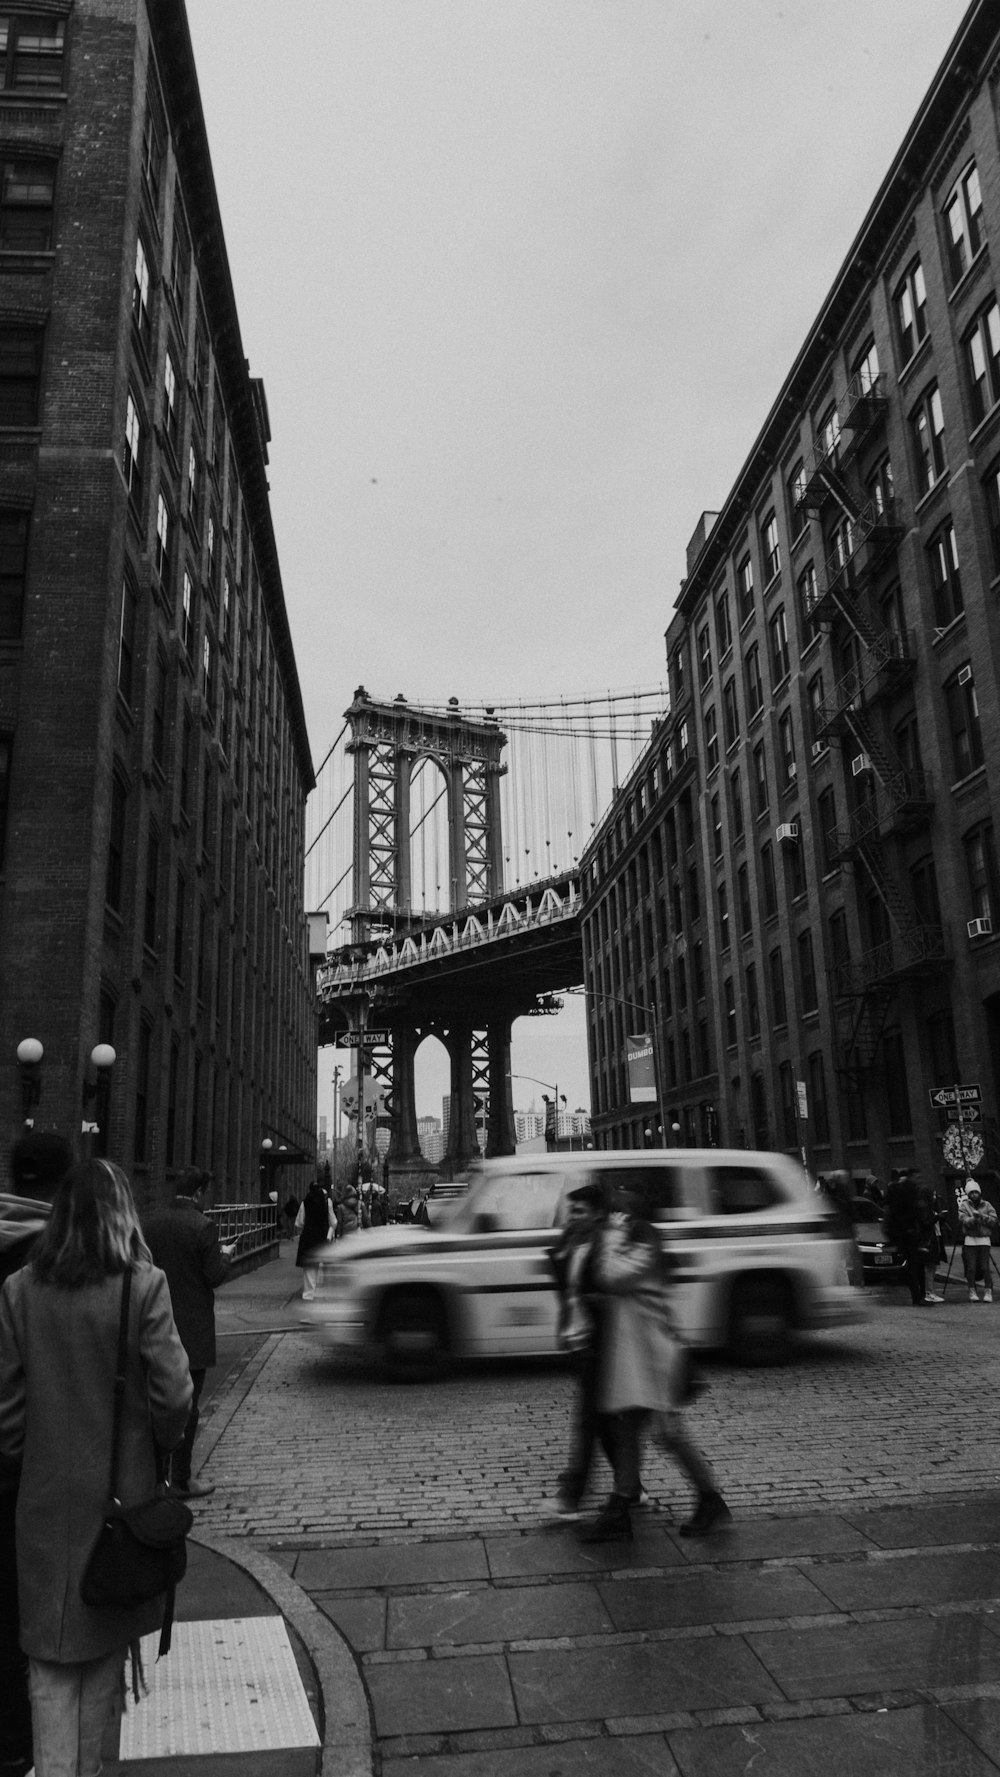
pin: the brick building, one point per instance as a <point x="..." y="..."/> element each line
<point x="797" y="891"/>
<point x="154" y="762"/>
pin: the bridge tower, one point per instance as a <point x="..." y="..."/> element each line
<point x="388" y="741"/>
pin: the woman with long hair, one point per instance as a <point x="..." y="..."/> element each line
<point x="59" y="1323"/>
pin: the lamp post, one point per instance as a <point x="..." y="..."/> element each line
<point x="29" y="1063"/>
<point x="265" y="1150"/>
<point x="633" y="1006"/>
<point x="554" y="1100"/>
<point x="95" y="1094"/>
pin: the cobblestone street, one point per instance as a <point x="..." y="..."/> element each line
<point x="302" y="1445"/>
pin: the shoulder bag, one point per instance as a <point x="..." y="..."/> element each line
<point x="140" y="1550"/>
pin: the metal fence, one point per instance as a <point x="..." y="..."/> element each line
<point x="253" y="1226"/>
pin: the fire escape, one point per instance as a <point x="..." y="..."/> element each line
<point x="893" y="798"/>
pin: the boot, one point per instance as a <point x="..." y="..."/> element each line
<point x="612" y="1524"/>
<point x="711" y="1510"/>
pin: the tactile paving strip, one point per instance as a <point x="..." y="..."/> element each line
<point x="227" y="1685"/>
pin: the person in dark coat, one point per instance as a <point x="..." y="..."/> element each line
<point x="37" y="1163"/>
<point x="315" y="1231"/>
<point x="904" y="1229"/>
<point x="59" y="1318"/>
<point x="185" y="1245"/>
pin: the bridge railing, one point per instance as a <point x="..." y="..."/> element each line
<point x="545" y="903"/>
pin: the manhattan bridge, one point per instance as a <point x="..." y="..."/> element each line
<point x="444" y="845"/>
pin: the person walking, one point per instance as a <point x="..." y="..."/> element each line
<point x="903" y="1228"/>
<point x="348" y="1212"/>
<point x="38" y="1161"/>
<point x="59" y="1322"/>
<point x="931" y="1246"/>
<point x="978" y="1219"/>
<point x="184" y="1243"/>
<point x="315" y="1224"/>
<point x="643" y="1368"/>
<point x="579" y="1333"/>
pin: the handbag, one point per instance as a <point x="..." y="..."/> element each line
<point x="140" y="1550"/>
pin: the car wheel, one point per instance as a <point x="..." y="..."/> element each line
<point x="761" y="1321"/>
<point x="414" y="1336"/>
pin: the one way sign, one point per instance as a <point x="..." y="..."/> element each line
<point x="942" y="1096"/>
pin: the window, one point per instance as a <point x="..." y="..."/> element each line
<point x="981" y="869"/>
<point x="736" y="803"/>
<point x="808" y="594"/>
<point x="753" y="681"/>
<point x="141" y="314"/>
<point x="786" y="749"/>
<point x="807" y="972"/>
<point x="716" y="827"/>
<point x="963" y="721"/>
<point x="159" y="712"/>
<point x="946" y="581"/>
<point x="723" y="626"/>
<point x="152" y="155"/>
<point x="778" y="630"/>
<point x="170" y="403"/>
<point x="194" y="489"/>
<point x="794" y="858"/>
<point x="743" y="900"/>
<point x="20" y="375"/>
<point x="982" y="358"/>
<point x="711" y="739"/>
<point x="730" y="715"/>
<point x="179" y="912"/>
<point x="738" y="1190"/>
<point x="923" y="887"/>
<point x="199" y="376"/>
<point x="13" y="572"/>
<point x="944" y="1055"/>
<point x="992" y="489"/>
<point x="828" y="433"/>
<point x="162" y="550"/>
<point x="826" y="820"/>
<point x="208" y="670"/>
<point x="840" y="546"/>
<point x="744" y="589"/>
<point x="27" y="196"/>
<point x="729" y="1000"/>
<point x="187" y="613"/>
<point x="173" y="1075"/>
<point x="761" y="796"/>
<point x="769" y="549"/>
<point x="116" y="845"/>
<point x="927" y="432"/>
<point x="963" y="223"/>
<point x="880" y="488"/>
<point x="677" y="679"/>
<point x="768" y="882"/>
<point x="5" y="753"/>
<point x="722" y="894"/>
<point x="752" y="999"/>
<point x="779" y="1006"/>
<point x="140" y="1129"/>
<point x="126" y="641"/>
<point x="31" y="52"/>
<point x="910" y="304"/>
<point x="704" y="655"/>
<point x="795" y="484"/>
<point x="787" y="1097"/>
<point x="865" y="372"/>
<point x="900" y="1119"/>
<point x="815" y="694"/>
<point x="152" y="885"/>
<point x="818" y="1109"/>
<point x="180" y="255"/>
<point x="132" y="454"/>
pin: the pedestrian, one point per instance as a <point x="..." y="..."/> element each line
<point x="579" y="1333"/>
<point x="643" y="1369"/>
<point x="348" y="1215"/>
<point x="38" y="1161"/>
<point x="379" y="1210"/>
<point x="290" y="1211"/>
<point x="315" y="1225"/>
<point x="978" y="1219"/>
<point x="59" y="1322"/>
<point x="184" y="1243"/>
<point x="931" y="1246"/>
<point x="903" y="1228"/>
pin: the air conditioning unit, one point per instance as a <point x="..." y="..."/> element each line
<point x="819" y="746"/>
<point x="787" y="833"/>
<point x="792" y="769"/>
<point x="980" y="928"/>
<point x="965" y="675"/>
<point x="861" y="764"/>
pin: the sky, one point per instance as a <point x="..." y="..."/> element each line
<point x="522" y="279"/>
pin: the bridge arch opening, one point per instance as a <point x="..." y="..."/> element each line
<point x="432" y="1089"/>
<point x="430" y="853"/>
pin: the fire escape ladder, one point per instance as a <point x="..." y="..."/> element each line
<point x="862" y="1029"/>
<point x="897" y="904"/>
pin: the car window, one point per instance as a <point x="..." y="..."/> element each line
<point x="516" y="1202"/>
<point x="658" y="1189"/>
<point x="738" y="1190"/>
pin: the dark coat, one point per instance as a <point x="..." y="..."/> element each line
<point x="185" y="1245"/>
<point x="316" y="1214"/>
<point x="58" y="1350"/>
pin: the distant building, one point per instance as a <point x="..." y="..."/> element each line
<point x="528" y="1124"/>
<point x="154" y="762"/>
<point x="323" y="1142"/>
<point x="796" y="893"/>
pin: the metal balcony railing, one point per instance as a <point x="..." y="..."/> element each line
<point x="907" y="952"/>
<point x="864" y="403"/>
<point x="873" y="531"/>
<point x="886" y="652"/>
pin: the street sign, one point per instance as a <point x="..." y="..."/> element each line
<point x="941" y="1096"/>
<point x="963" y="1113"/>
<point x="353" y="1039"/>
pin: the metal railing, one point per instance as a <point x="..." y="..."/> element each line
<point x="918" y="947"/>
<point x="253" y="1226"/>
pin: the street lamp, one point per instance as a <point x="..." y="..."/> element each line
<point x="95" y="1090"/>
<point x="554" y="1101"/>
<point x="29" y="1063"/>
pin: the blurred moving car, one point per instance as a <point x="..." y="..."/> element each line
<point x="757" y="1256"/>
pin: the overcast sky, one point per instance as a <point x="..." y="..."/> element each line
<point x="522" y="278"/>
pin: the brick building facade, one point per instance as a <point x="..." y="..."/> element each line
<point x="154" y="763"/>
<point x="797" y="890"/>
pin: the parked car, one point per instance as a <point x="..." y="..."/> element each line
<point x="881" y="1260"/>
<point x="757" y="1255"/>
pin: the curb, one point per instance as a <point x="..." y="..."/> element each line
<point x="347" y="1743"/>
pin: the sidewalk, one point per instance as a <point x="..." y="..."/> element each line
<point x="866" y="1641"/>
